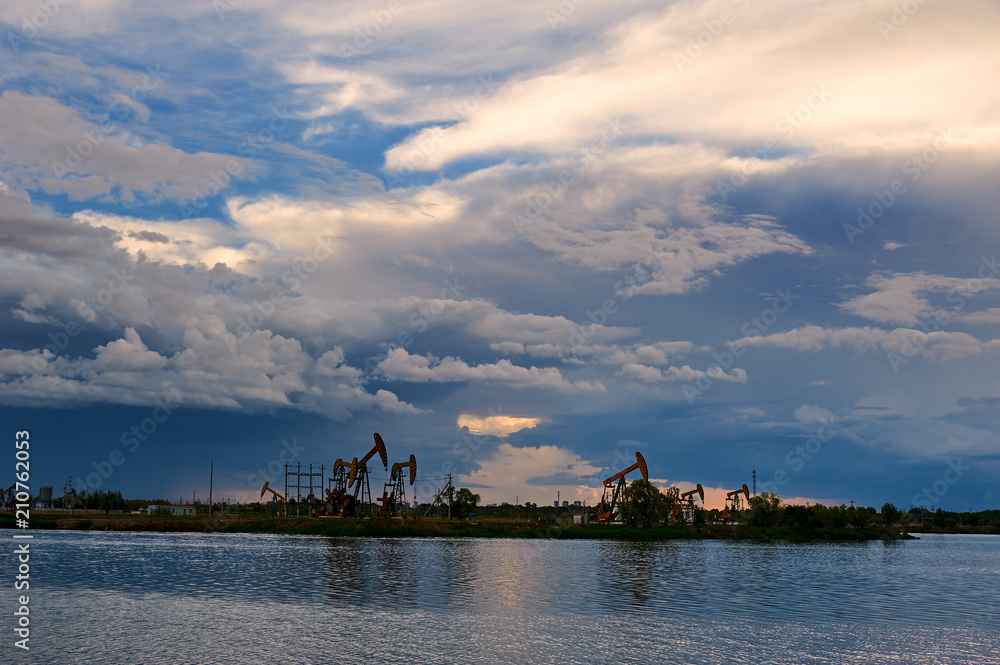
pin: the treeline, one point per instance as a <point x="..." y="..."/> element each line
<point x="947" y="519"/>
<point x="106" y="500"/>
<point x="766" y="510"/>
<point x="643" y="505"/>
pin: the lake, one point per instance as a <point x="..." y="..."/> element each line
<point x="159" y="599"/>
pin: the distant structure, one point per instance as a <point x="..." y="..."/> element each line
<point x="69" y="494"/>
<point x="174" y="510"/>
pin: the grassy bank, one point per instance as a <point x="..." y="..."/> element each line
<point x="436" y="528"/>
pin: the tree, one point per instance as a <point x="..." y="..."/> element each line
<point x="890" y="514"/>
<point x="797" y="516"/>
<point x="464" y="502"/>
<point x="644" y="505"/>
<point x="838" y="516"/>
<point x="672" y="495"/>
<point x="860" y="517"/>
<point x="765" y="510"/>
<point x="938" y="520"/>
<point x="819" y="516"/>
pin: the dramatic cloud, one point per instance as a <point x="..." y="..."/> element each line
<point x="728" y="88"/>
<point x="401" y="366"/>
<point x="52" y="148"/>
<point x="906" y="342"/>
<point x="501" y="426"/>
<point x="686" y="373"/>
<point x="898" y="298"/>
<point x="535" y="471"/>
<point x="213" y="370"/>
<point x="538" y="227"/>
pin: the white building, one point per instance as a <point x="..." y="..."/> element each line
<point x="174" y="510"/>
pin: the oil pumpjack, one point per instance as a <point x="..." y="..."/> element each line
<point x="733" y="502"/>
<point x="278" y="500"/>
<point x="394" y="493"/>
<point x="686" y="505"/>
<point x="614" y="486"/>
<point x="358" y="478"/>
<point x="337" y="497"/>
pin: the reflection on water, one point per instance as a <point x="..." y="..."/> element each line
<point x="181" y="598"/>
<point x="630" y="574"/>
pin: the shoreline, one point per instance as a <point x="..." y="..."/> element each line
<point x="436" y="528"/>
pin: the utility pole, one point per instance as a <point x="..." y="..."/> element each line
<point x="755" y="482"/>
<point x="449" y="497"/>
<point x="211" y="474"/>
<point x="72" y="509"/>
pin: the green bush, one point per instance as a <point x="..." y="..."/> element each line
<point x="644" y="505"/>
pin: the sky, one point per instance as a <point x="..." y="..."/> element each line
<point x="522" y="241"/>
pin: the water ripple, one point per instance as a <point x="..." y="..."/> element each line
<point x="225" y="598"/>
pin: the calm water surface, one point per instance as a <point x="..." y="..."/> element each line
<point x="160" y="599"/>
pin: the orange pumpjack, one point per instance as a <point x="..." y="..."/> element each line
<point x="686" y="502"/>
<point x="734" y="497"/>
<point x="358" y="477"/>
<point x="608" y="510"/>
<point x="394" y="492"/>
